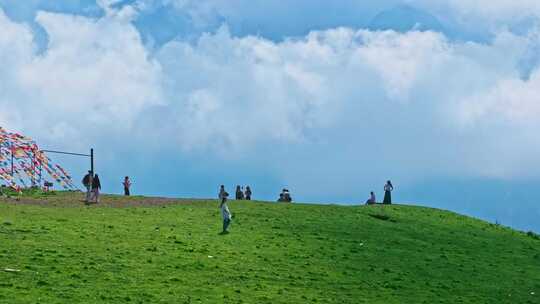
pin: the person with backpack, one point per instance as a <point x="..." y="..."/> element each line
<point x="87" y="182"/>
<point x="96" y="187"/>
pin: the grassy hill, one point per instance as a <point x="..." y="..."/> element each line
<point x="64" y="252"/>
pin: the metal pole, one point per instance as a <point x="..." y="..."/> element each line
<point x="12" y="164"/>
<point x="92" y="161"/>
<point x="33" y="160"/>
<point x="66" y="153"/>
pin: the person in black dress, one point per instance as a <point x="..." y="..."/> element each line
<point x="388" y="188"/>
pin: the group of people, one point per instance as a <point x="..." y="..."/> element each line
<point x="285" y="196"/>
<point x="93" y="186"/>
<point x="388" y="188"/>
<point x="243" y="195"/>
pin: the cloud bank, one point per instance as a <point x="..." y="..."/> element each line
<point x="232" y="94"/>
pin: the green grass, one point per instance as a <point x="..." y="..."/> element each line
<point x="275" y="253"/>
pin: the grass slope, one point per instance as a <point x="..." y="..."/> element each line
<point x="276" y="253"/>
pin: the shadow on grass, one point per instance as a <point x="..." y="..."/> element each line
<point x="382" y="217"/>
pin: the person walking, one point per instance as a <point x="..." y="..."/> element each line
<point x="248" y="193"/>
<point x="388" y="188"/>
<point x="127" y="185"/>
<point x="87" y="182"/>
<point x="96" y="187"/>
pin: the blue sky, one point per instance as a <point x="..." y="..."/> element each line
<point x="327" y="98"/>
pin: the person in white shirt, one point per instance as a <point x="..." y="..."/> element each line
<point x="225" y="212"/>
<point x="372" y="200"/>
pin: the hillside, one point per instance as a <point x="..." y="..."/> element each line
<point x="56" y="250"/>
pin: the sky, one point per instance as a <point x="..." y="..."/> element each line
<point x="327" y="98"/>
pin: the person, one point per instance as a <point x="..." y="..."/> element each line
<point x="239" y="193"/>
<point x="96" y="187"/>
<point x="388" y="188"/>
<point x="372" y="200"/>
<point x="285" y="196"/>
<point x="87" y="182"/>
<point x="127" y="185"/>
<point x="222" y="193"/>
<point x="248" y="193"/>
<point x="225" y="212"/>
<point x="47" y="186"/>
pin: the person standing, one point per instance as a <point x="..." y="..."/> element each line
<point x="96" y="187"/>
<point x="225" y="212"/>
<point x="222" y="193"/>
<point x="388" y="188"/>
<point x="127" y="185"/>
<point x="239" y="193"/>
<point x="248" y="193"/>
<point x="87" y="182"/>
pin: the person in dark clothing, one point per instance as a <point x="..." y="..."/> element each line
<point x="127" y="186"/>
<point x="239" y="193"/>
<point x="248" y="193"/>
<point x="285" y="196"/>
<point x="388" y="188"/>
<point x="223" y="195"/>
<point x="87" y="182"/>
<point x="96" y="187"/>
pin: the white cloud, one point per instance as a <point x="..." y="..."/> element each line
<point x="94" y="76"/>
<point x="234" y="94"/>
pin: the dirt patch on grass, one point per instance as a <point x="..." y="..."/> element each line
<point x="115" y="201"/>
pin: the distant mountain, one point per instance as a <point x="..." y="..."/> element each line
<point x="404" y="18"/>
